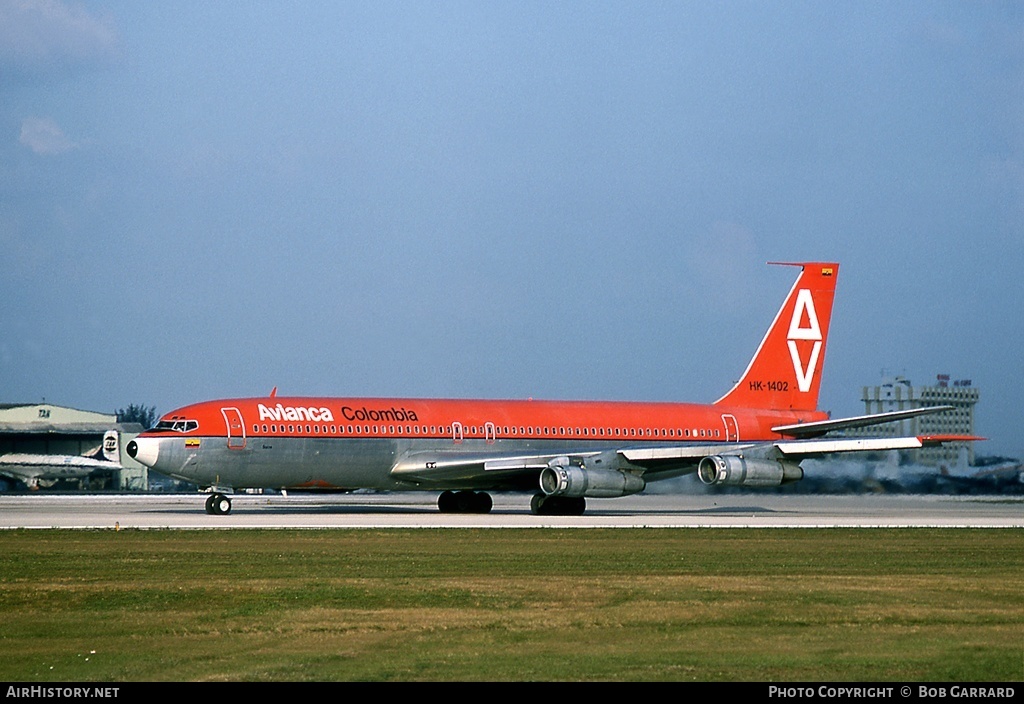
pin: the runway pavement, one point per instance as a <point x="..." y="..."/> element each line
<point x="419" y="510"/>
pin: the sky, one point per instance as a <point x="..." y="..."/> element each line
<point x="562" y="200"/>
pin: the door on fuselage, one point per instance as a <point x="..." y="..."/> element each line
<point x="235" y="427"/>
<point x="732" y="428"/>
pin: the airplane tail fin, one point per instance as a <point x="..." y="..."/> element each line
<point x="785" y="372"/>
<point x="111" y="447"/>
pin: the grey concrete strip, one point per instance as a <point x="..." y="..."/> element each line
<point x="418" y="510"/>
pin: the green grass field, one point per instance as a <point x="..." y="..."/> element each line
<point x="463" y="605"/>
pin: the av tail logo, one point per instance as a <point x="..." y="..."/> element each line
<point x="812" y="332"/>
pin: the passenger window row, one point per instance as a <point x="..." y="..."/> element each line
<point x="470" y="431"/>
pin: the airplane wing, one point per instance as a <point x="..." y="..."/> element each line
<point x="517" y="471"/>
<point x="667" y="458"/>
<point x="621" y="471"/>
<point x="764" y="464"/>
<point x="816" y="448"/>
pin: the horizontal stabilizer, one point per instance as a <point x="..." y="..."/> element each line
<point x="932" y="440"/>
<point x="818" y="428"/>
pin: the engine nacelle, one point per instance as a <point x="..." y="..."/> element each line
<point x="732" y="470"/>
<point x="558" y="480"/>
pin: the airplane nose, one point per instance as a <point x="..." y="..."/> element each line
<point x="144" y="450"/>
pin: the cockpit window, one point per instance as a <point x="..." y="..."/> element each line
<point x="178" y="425"/>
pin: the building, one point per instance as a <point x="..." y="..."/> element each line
<point x="43" y="445"/>
<point x="898" y="394"/>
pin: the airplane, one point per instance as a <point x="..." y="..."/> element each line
<point x="563" y="451"/>
<point x="37" y="470"/>
<point x="1006" y="477"/>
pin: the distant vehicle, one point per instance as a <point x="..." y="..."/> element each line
<point x="564" y="451"/>
<point x="37" y="470"/>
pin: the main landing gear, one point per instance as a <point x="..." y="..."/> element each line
<point x="464" y="502"/>
<point x="218" y="505"/>
<point x="480" y="502"/>
<point x="544" y="505"/>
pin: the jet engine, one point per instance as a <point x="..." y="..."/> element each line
<point x="733" y="470"/>
<point x="559" y="480"/>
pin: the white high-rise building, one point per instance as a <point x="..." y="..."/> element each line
<point x="898" y="394"/>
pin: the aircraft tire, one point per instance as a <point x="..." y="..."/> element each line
<point x="544" y="505"/>
<point x="218" y="505"/>
<point x="577" y="507"/>
<point x="464" y="502"/>
<point x="446" y="502"/>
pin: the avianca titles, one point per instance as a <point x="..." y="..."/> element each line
<point x="562" y="451"/>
